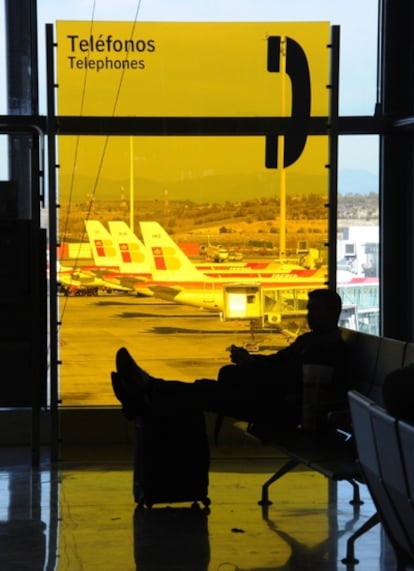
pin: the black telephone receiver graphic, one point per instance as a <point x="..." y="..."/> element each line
<point x="298" y="70"/>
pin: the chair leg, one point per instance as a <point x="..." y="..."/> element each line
<point x="356" y="499"/>
<point x="265" y="488"/>
<point x="350" y="551"/>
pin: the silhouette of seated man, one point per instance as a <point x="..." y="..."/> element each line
<point x="265" y="388"/>
<point x="398" y="393"/>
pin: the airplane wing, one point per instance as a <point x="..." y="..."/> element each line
<point x="81" y="279"/>
<point x="116" y="280"/>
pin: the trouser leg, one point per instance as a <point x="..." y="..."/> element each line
<point x="242" y="393"/>
<point x="173" y="396"/>
<point x="223" y="396"/>
<point x="260" y="393"/>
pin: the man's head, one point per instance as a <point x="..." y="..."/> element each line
<point x="324" y="309"/>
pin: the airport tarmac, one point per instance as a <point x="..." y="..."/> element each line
<point x="168" y="340"/>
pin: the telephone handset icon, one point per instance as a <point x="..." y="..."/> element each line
<point x="298" y="71"/>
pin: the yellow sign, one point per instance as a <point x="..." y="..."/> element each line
<point x="190" y="69"/>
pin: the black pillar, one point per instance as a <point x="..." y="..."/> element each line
<point x="22" y="92"/>
<point x="23" y="283"/>
<point x="397" y="175"/>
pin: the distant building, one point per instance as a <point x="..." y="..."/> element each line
<point x="358" y="250"/>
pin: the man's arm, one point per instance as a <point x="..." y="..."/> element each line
<point x="240" y="356"/>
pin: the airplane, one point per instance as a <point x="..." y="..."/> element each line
<point x="128" y="245"/>
<point x="176" y="278"/>
<point x="122" y="260"/>
<point x="284" y="293"/>
<point x="285" y="286"/>
<point x="89" y="278"/>
<point x="216" y="253"/>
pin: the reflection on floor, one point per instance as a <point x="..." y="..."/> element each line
<point x="81" y="515"/>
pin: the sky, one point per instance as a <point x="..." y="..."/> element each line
<point x="358" y="43"/>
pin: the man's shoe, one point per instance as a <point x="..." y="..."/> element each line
<point x="119" y="388"/>
<point x="130" y="403"/>
<point x="130" y="371"/>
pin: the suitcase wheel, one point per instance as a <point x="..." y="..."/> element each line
<point x="141" y="504"/>
<point x="205" y="501"/>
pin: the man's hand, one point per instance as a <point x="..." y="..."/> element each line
<point x="240" y="356"/>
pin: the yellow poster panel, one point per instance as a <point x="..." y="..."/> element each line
<point x="190" y="69"/>
<point x="213" y="198"/>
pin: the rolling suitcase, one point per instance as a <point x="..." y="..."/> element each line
<point x="172" y="459"/>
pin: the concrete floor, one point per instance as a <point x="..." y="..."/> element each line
<point x="79" y="514"/>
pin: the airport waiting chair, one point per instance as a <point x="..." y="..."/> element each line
<point x="361" y="414"/>
<point x="406" y="435"/>
<point x="393" y="478"/>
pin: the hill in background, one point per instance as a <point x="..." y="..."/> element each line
<point x="215" y="189"/>
<point x="357" y="182"/>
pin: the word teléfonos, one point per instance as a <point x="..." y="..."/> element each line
<point x="83" y="52"/>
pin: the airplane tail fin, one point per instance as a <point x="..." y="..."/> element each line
<point x="102" y="245"/>
<point x="168" y="260"/>
<point x="132" y="252"/>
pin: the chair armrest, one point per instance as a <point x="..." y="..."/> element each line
<point x="340" y="419"/>
<point x="327" y="413"/>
